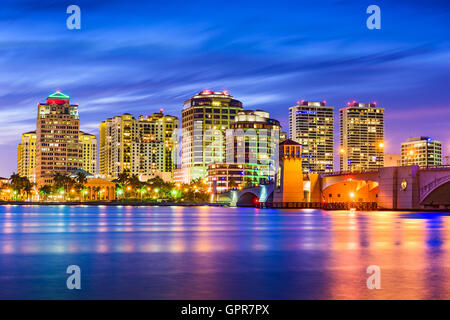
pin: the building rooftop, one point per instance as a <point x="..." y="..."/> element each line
<point x="87" y="134"/>
<point x="421" y="138"/>
<point x="289" y="142"/>
<point x="58" y="95"/>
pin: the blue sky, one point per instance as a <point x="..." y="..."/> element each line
<point x="138" y="57"/>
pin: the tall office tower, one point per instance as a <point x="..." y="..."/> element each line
<point x="251" y="143"/>
<point x="205" y="118"/>
<point x="26" y="156"/>
<point x="311" y="125"/>
<point x="362" y="137"/>
<point x="141" y="146"/>
<point x="57" y="138"/>
<point x="89" y="152"/>
<point x="421" y="151"/>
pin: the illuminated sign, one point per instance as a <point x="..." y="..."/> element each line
<point x="306" y="112"/>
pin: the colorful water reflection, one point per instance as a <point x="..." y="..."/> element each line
<point x="221" y="253"/>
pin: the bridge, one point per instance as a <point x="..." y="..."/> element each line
<point x="248" y="196"/>
<point x="408" y="187"/>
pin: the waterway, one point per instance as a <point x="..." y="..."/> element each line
<point x="174" y="252"/>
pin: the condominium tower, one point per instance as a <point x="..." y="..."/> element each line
<point x="311" y="125"/>
<point x="57" y="138"/>
<point x="205" y="118"/>
<point x="140" y="146"/>
<point x="88" y="152"/>
<point x="361" y="137"/>
<point x="26" y="156"/>
<point x="421" y="151"/>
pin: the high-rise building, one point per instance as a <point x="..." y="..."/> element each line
<point x="205" y="118"/>
<point x="140" y="146"/>
<point x="26" y="156"/>
<point x="115" y="145"/>
<point x="57" y="138"/>
<point x="251" y="152"/>
<point x="361" y="137"/>
<point x="89" y="152"/>
<point x="422" y="151"/>
<point x="311" y="125"/>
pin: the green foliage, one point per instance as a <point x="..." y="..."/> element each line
<point x="21" y="186"/>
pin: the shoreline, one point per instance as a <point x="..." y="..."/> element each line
<point x="112" y="204"/>
<point x="187" y="204"/>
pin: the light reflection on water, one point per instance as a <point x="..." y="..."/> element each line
<point x="221" y="253"/>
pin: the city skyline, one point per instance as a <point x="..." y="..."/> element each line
<point x="159" y="58"/>
<point x="337" y="149"/>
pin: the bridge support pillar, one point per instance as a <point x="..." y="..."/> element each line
<point x="315" y="193"/>
<point x="398" y="188"/>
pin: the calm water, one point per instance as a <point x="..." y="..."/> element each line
<point x="221" y="253"/>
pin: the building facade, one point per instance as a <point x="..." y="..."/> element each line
<point x="142" y="146"/>
<point x="251" y="146"/>
<point x="290" y="178"/>
<point x="57" y="138"/>
<point x="392" y="160"/>
<point x="26" y="156"/>
<point x="311" y="125"/>
<point x="361" y="137"/>
<point x="205" y="119"/>
<point x="88" y="152"/>
<point x="421" y="151"/>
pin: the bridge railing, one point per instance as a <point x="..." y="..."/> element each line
<point x="342" y="173"/>
<point x="426" y="189"/>
<point x="363" y="206"/>
<point x="435" y="168"/>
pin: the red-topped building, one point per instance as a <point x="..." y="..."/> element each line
<point x="57" y="138"/>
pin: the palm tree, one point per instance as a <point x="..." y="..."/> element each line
<point x="62" y="182"/>
<point x="81" y="178"/>
<point x="123" y="178"/>
<point x="135" y="183"/>
<point x="45" y="190"/>
<point x="27" y="187"/>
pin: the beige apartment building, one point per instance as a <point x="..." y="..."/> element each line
<point x="26" y="156"/>
<point x="361" y="137"/>
<point x="88" y="152"/>
<point x="143" y="146"/>
<point x="311" y="125"/>
<point x="421" y="151"/>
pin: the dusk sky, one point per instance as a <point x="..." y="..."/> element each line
<point x="138" y="57"/>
